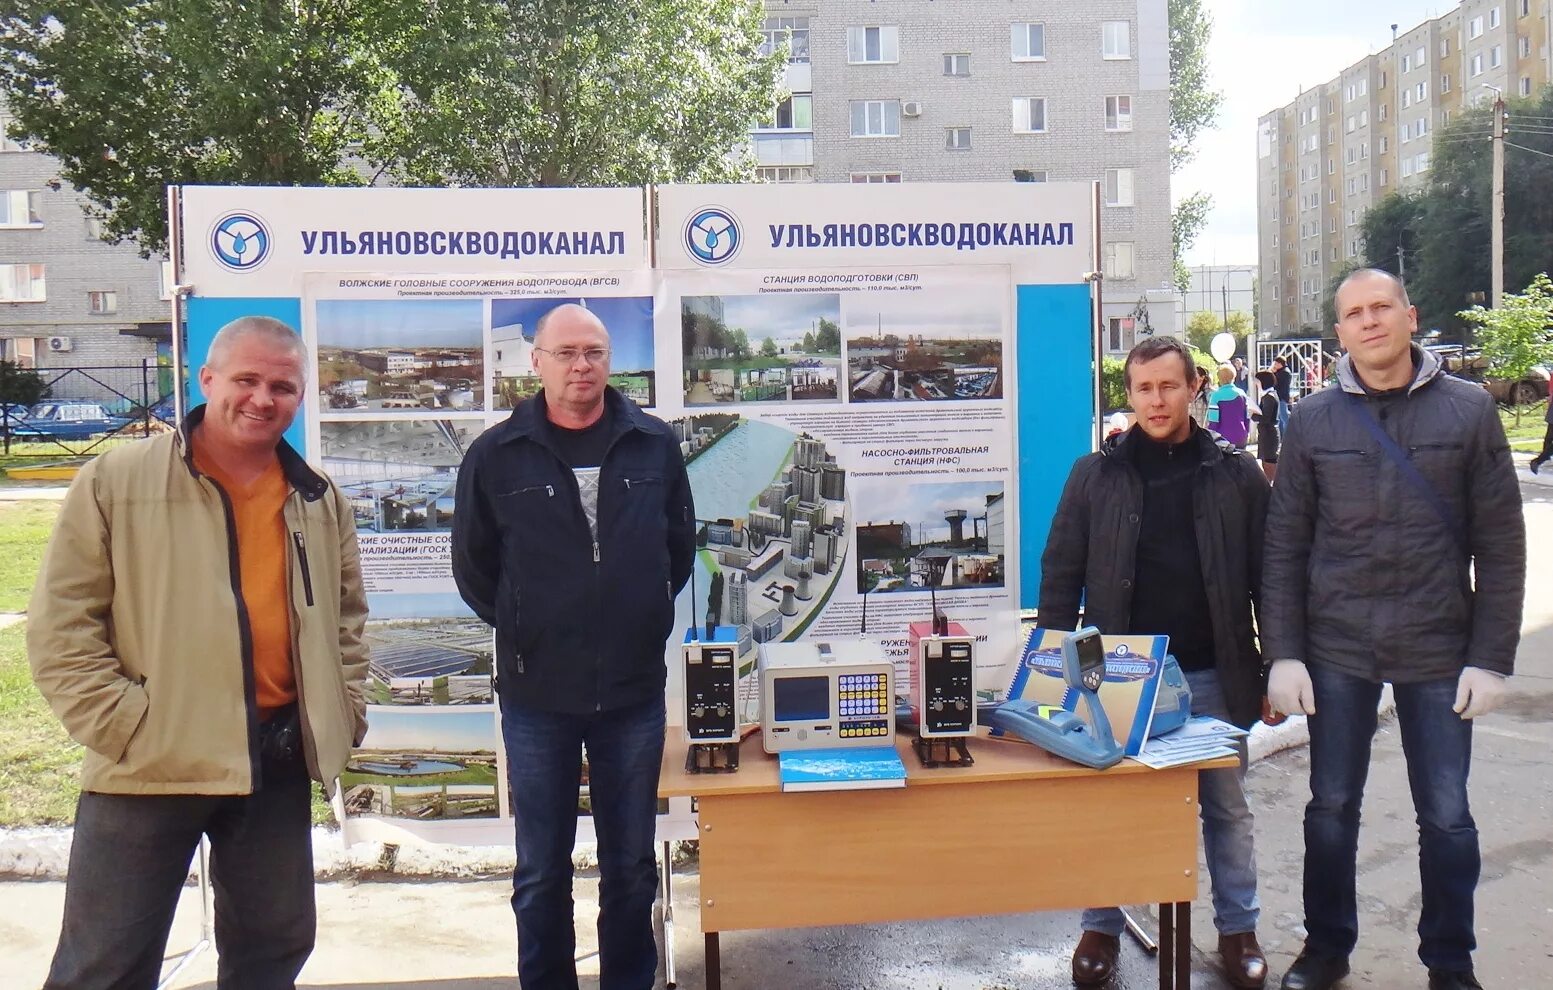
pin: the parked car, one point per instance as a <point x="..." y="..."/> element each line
<point x="67" y="419"/>
<point x="1532" y="388"/>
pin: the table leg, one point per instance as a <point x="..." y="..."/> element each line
<point x="1183" y="945"/>
<point x="669" y="978"/>
<point x="714" y="962"/>
<point x="1167" y="946"/>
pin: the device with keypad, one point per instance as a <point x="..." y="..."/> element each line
<point x="826" y="695"/>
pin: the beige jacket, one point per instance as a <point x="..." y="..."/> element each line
<point x="139" y="641"/>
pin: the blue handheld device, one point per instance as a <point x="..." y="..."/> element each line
<point x="1086" y="738"/>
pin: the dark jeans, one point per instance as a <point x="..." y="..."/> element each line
<point x="1438" y="746"/>
<point x="1547" y="444"/>
<point x="544" y="767"/>
<point x="128" y="861"/>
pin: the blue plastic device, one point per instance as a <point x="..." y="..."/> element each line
<point x="1173" y="702"/>
<point x="1084" y="739"/>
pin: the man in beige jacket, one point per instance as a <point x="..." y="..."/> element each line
<point x="197" y="626"/>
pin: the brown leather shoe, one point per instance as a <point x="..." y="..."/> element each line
<point x="1094" y="960"/>
<point x="1244" y="964"/>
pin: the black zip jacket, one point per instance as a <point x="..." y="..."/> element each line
<point x="1091" y="554"/>
<point x="580" y="625"/>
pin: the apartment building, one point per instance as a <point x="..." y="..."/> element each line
<point x="952" y="90"/>
<point x="67" y="297"/>
<point x="1342" y="146"/>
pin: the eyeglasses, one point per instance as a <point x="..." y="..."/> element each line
<point x="569" y="355"/>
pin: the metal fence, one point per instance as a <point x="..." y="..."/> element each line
<point x="131" y="401"/>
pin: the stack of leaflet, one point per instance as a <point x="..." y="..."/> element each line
<point x="1203" y="737"/>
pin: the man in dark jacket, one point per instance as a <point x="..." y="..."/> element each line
<point x="1400" y="561"/>
<point x="574" y="532"/>
<point x="1161" y="532"/>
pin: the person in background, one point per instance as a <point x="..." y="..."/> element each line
<point x="1229" y="409"/>
<point x="1242" y="374"/>
<point x="1267" y="434"/>
<point x="197" y="627"/>
<point x="1199" y="404"/>
<point x="1283" y="379"/>
<point x="1161" y="531"/>
<point x="1547" y="441"/>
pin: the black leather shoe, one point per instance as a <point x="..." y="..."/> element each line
<point x="1451" y="979"/>
<point x="1244" y="964"/>
<point x="1094" y="961"/>
<point x="1313" y="971"/>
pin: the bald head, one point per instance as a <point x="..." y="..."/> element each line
<point x="568" y="316"/>
<point x="1370" y="276"/>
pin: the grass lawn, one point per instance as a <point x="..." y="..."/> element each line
<point x="24" y="529"/>
<point x="1528" y="436"/>
<point x="39" y="764"/>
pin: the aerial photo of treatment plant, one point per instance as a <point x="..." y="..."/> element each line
<point x="930" y="346"/>
<point x="385" y="355"/>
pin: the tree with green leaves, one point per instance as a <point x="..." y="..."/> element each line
<point x="768" y="348"/>
<point x="1194" y="106"/>
<point x="827" y="337"/>
<point x="1206" y="325"/>
<point x="137" y="95"/>
<point x="1518" y="335"/>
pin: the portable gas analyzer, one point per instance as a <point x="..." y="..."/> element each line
<point x="711" y="699"/>
<point x="826" y="695"/>
<point x="943" y="679"/>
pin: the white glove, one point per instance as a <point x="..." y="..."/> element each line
<point x="1478" y="692"/>
<point x="1289" y="688"/>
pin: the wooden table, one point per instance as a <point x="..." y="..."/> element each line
<point x="1019" y="831"/>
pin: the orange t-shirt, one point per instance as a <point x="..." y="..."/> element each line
<point x="263" y="560"/>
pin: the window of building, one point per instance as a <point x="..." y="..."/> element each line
<point x="876" y="118"/>
<point x="1116" y="39"/>
<point x="1525" y="8"/>
<point x="1526" y="85"/>
<point x="957" y="138"/>
<point x="1027" y="42"/>
<point x="1118" y="187"/>
<point x="1420" y="57"/>
<point x="1493" y="17"/>
<point x="1331" y="166"/>
<point x="957" y="64"/>
<point x="1118" y="113"/>
<point x="94" y="229"/>
<point x="1445" y="83"/>
<point x="1029" y="175"/>
<point x="868" y="178"/>
<point x="792" y="30"/>
<point x="19" y="208"/>
<point x="1385" y="177"/>
<point x="1332" y="195"/>
<point x="1351" y="123"/>
<point x="1407" y="63"/>
<point x="1029" y="114"/>
<point x="1364" y="118"/>
<point x="1477" y="65"/>
<point x="22" y="283"/>
<point x="1364" y="87"/>
<point x="1380" y="114"/>
<point x="1407" y="98"/>
<point x="1496" y="56"/>
<point x="102" y="302"/>
<point x="1475" y="28"/>
<point x="785" y="173"/>
<point x="1364" y="182"/>
<point x="1423" y="162"/>
<point x="1118" y="261"/>
<point x="1445" y="47"/>
<point x="1421" y="91"/>
<point x="1407" y="167"/>
<point x="796" y="113"/>
<point x="870" y="45"/>
<point x="1525" y="44"/>
<point x="1348" y="94"/>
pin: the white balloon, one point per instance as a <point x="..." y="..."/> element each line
<point x="1222" y="346"/>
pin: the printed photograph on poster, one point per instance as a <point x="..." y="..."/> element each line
<point x="629" y="320"/>
<point x="431" y="662"/>
<point x="761" y="348"/>
<point x="424" y="765"/>
<point x="771" y="514"/>
<point x="935" y="345"/>
<point x="400" y="354"/>
<point x="922" y="537"/>
<point x="399" y="474"/>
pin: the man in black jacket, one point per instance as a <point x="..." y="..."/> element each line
<point x="573" y="534"/>
<point x="1161" y="532"/>
<point x="1396" y="551"/>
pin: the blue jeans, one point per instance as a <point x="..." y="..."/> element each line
<point x="1227" y="832"/>
<point x="1283" y="418"/>
<point x="544" y="768"/>
<point x="130" y="856"/>
<point x="1438" y="746"/>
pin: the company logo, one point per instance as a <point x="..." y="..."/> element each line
<point x="240" y="241"/>
<point x="712" y="236"/>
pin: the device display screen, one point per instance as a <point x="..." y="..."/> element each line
<point x="800" y="699"/>
<point x="1091" y="654"/>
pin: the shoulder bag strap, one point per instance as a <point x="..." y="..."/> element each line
<point x="1409" y="470"/>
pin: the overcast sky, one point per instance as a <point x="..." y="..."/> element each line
<point x="1262" y="53"/>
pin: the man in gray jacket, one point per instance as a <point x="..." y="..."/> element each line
<point x="1396" y="551"/>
